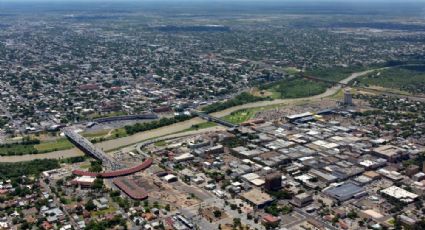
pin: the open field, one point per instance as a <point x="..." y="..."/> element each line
<point x="239" y="116"/>
<point x="59" y="144"/>
<point x="404" y="79"/>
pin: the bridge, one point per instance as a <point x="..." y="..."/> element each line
<point x="208" y="117"/>
<point x="87" y="147"/>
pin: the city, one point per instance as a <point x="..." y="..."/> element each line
<point x="238" y="115"/>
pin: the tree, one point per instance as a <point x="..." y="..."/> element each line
<point x="98" y="184"/>
<point x="167" y="207"/>
<point x="352" y="215"/>
<point x="217" y="213"/>
<point x="236" y="222"/>
<point x="90" y="206"/>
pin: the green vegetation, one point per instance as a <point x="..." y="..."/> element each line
<point x="140" y="127"/>
<point x="29" y="168"/>
<point x="291" y="70"/>
<point x="334" y="73"/>
<point x="104" y="136"/>
<point x="405" y="78"/>
<point x="233" y="142"/>
<point x="275" y="210"/>
<point x="240" y="116"/>
<point x="110" y="209"/>
<point x="17" y="149"/>
<point x="240" y="99"/>
<point x="49" y="146"/>
<point x="295" y="87"/>
<point x="25" y="147"/>
<point x="160" y="143"/>
<point x="201" y="126"/>
<point x="95" y="166"/>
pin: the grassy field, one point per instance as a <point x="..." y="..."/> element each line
<point x="409" y="79"/>
<point x="17" y="149"/>
<point x="201" y="126"/>
<point x="160" y="143"/>
<point x="110" y="209"/>
<point x="334" y="73"/>
<point x="291" y="70"/>
<point x="60" y="144"/>
<point x="240" y="116"/>
<point x="295" y="88"/>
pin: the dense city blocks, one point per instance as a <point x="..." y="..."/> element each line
<point x="212" y="114"/>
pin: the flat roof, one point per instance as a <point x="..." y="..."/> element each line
<point x="387" y="150"/>
<point x="296" y="116"/>
<point x="344" y="191"/>
<point x="257" y="197"/>
<point x="400" y="194"/>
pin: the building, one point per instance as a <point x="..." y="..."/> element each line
<point x="345" y="191"/>
<point x="257" y="198"/>
<point x="83" y="181"/>
<point x="412" y="170"/>
<point x="270" y="220"/>
<point x="101" y="203"/>
<point x="215" y="149"/>
<point x="273" y="181"/>
<point x="390" y="152"/>
<point x="348" y="98"/>
<point x="170" y="178"/>
<point x="418" y="176"/>
<point x="302" y="200"/>
<point x="399" y="194"/>
<point x="329" y="178"/>
<point x="184" y="157"/>
<point x="130" y="188"/>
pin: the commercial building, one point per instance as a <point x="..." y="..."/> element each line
<point x="389" y="152"/>
<point x="345" y="191"/>
<point x="83" y="181"/>
<point x="348" y="98"/>
<point x="273" y="181"/>
<point x="130" y="188"/>
<point x="302" y="200"/>
<point x="399" y="194"/>
<point x="257" y="198"/>
<point x="170" y="178"/>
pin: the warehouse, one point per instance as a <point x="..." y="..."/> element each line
<point x="344" y="191"/>
<point x="130" y="188"/>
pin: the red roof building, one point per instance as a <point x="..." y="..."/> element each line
<point x="130" y="188"/>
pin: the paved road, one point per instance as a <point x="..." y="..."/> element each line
<point x="177" y="127"/>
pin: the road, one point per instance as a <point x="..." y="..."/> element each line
<point x="178" y="127"/>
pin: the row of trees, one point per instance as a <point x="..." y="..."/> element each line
<point x="140" y="127"/>
<point x="35" y="167"/>
<point x="240" y="99"/>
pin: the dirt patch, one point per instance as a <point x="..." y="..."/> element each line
<point x="213" y="214"/>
